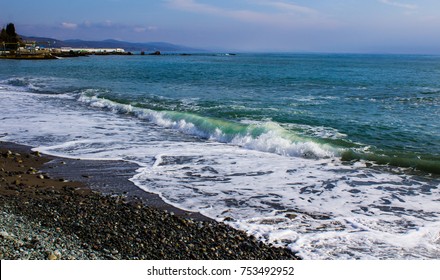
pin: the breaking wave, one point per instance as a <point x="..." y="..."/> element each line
<point x="264" y="136"/>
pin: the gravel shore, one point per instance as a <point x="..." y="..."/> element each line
<point x="44" y="216"/>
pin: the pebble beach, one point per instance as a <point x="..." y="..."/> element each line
<point x="46" y="217"/>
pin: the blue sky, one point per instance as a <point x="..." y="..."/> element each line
<point x="384" y="26"/>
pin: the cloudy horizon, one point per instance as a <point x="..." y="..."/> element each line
<point x="386" y="26"/>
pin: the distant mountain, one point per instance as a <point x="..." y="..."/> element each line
<point x="128" y="46"/>
<point x="43" y="41"/>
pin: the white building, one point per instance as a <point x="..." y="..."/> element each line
<point x="92" y="50"/>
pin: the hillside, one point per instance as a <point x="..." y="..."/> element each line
<point x="128" y="46"/>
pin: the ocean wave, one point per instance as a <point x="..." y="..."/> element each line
<point x="42" y="85"/>
<point x="19" y="84"/>
<point x="266" y="136"/>
<point x="425" y="163"/>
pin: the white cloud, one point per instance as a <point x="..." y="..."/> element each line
<point x="101" y="24"/>
<point x="139" y="29"/>
<point x="107" y="23"/>
<point x="400" y="5"/>
<point x="87" y="23"/>
<point x="69" y="25"/>
<point x="142" y="29"/>
<point x="193" y="6"/>
<point x="289" y="7"/>
<point x="281" y="11"/>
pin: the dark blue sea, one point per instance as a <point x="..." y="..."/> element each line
<point x="335" y="155"/>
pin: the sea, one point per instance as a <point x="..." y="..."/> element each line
<point x="336" y="156"/>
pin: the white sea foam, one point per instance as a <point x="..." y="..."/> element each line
<point x="322" y="209"/>
<point x="319" y="206"/>
<point x="273" y="139"/>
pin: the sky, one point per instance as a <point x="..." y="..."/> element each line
<point x="341" y="26"/>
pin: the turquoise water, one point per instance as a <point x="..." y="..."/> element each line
<point x="386" y="107"/>
<point x="255" y="138"/>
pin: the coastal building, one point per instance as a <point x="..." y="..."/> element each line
<point x="26" y="50"/>
<point x="93" y="50"/>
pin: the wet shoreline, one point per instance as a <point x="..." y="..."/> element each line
<point x="56" y="208"/>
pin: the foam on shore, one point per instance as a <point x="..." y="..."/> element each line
<point x="319" y="205"/>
